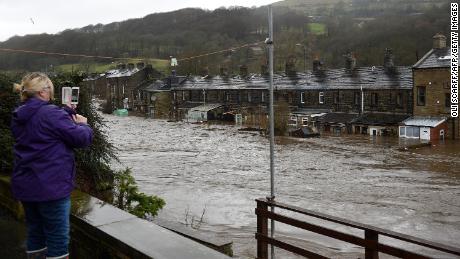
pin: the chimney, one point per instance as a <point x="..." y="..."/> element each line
<point x="289" y="67"/>
<point x="388" y="62"/>
<point x="205" y="71"/>
<point x="131" y="66"/>
<point x="243" y="71"/>
<point x="317" y="64"/>
<point x="439" y="41"/>
<point x="350" y="61"/>
<point x="140" y="65"/>
<point x="223" y="71"/>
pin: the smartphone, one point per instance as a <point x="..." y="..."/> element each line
<point x="75" y="95"/>
<point x="66" y="96"/>
<point x="70" y="95"/>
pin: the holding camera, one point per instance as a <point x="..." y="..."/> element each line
<point x="44" y="170"/>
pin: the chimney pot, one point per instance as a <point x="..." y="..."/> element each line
<point x="439" y="41"/>
<point x="388" y="62"/>
<point x="350" y="61"/>
<point x="243" y="71"/>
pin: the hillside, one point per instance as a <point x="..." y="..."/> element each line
<point x="326" y="28"/>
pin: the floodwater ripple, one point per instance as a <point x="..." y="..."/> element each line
<point x="356" y="177"/>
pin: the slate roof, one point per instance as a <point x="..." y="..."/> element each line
<point x="337" y="117"/>
<point x="121" y="72"/>
<point x="156" y="86"/>
<point x="422" y="121"/>
<point x="206" y="107"/>
<point x="366" y="77"/>
<point x="380" y="119"/>
<point x="435" y="58"/>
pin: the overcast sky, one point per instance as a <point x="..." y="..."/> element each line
<point x="21" y="17"/>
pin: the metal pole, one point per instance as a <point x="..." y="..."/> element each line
<point x="272" y="121"/>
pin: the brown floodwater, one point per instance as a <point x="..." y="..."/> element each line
<point x="361" y="178"/>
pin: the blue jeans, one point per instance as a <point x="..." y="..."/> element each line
<point x="48" y="226"/>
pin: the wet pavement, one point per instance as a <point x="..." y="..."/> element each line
<point x="219" y="171"/>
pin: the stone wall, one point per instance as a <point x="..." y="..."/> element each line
<point x="99" y="230"/>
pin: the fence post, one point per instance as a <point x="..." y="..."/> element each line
<point x="262" y="229"/>
<point x="372" y="252"/>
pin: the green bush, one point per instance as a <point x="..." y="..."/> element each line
<point x="8" y="100"/>
<point x="128" y="197"/>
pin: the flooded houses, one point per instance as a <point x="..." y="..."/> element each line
<point x="409" y="101"/>
<point x="431" y="115"/>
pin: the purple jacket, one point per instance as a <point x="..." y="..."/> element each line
<point x="45" y="135"/>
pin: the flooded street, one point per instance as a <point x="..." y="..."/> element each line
<point x="222" y="171"/>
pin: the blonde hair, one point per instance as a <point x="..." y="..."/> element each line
<point x="33" y="83"/>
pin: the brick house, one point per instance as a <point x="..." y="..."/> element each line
<point x="431" y="89"/>
<point x="120" y="83"/>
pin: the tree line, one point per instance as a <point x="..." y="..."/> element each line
<point x="365" y="27"/>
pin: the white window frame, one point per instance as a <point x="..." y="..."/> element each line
<point x="302" y="97"/>
<point x="321" y="98"/>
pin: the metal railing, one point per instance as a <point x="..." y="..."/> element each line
<point x="370" y="241"/>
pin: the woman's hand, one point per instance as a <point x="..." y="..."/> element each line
<point x="80" y="119"/>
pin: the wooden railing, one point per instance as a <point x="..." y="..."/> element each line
<point x="370" y="241"/>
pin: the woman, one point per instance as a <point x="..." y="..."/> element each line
<point x="44" y="169"/>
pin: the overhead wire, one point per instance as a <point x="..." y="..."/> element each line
<point x="118" y="58"/>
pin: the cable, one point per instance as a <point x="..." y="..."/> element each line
<point x="220" y="51"/>
<point x="107" y="57"/>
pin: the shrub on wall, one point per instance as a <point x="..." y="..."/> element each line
<point x="8" y="101"/>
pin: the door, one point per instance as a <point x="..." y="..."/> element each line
<point x="425" y="133"/>
<point x="441" y="134"/>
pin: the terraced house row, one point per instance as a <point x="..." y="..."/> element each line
<point x="409" y="101"/>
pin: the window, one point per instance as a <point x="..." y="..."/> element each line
<point x="183" y="95"/>
<point x="399" y="99"/>
<point x="249" y="97"/>
<point x="336" y="98"/>
<point x="292" y="121"/>
<point x="409" y="132"/>
<point x="402" y="131"/>
<point x="374" y="99"/>
<point x="447" y="100"/>
<point x="356" y="98"/>
<point x="321" y="97"/>
<point x="263" y="96"/>
<point x="421" y="92"/>
<point x="302" y="97"/>
<point x="304" y="121"/>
